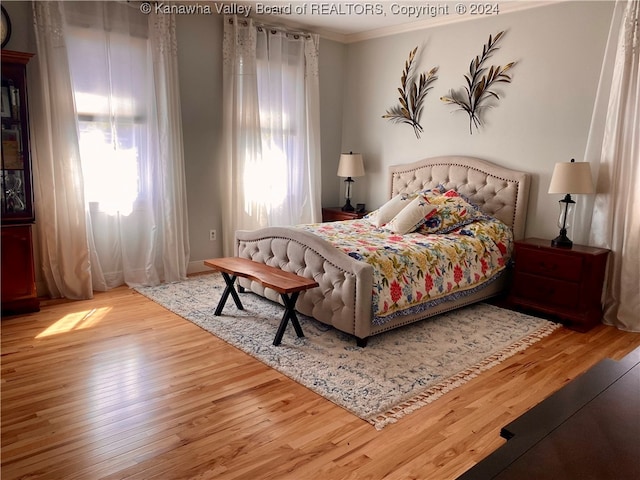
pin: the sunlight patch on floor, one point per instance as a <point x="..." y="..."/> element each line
<point x="76" y="321"/>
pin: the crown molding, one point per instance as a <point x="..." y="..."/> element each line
<point x="506" y="7"/>
<point x="438" y="21"/>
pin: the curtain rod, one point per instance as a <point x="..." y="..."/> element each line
<point x="273" y="28"/>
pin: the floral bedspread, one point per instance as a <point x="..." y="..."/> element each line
<point x="414" y="271"/>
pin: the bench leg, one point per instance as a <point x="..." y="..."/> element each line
<point x="289" y="314"/>
<point x="229" y="280"/>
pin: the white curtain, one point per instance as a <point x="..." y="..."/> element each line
<point x="271" y="126"/>
<point x="61" y="230"/>
<point x="615" y="223"/>
<point x="123" y="71"/>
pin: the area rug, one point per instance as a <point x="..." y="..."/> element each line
<point x="395" y="374"/>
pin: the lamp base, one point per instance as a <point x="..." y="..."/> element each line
<point x="562" y="241"/>
<point x="348" y="207"/>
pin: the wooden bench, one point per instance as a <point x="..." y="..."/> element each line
<point x="287" y="284"/>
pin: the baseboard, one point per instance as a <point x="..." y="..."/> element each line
<point x="197" y="266"/>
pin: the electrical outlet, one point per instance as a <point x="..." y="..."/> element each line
<point x="212" y="235"/>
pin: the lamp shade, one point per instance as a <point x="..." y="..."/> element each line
<point x="571" y="177"/>
<point x="351" y="165"/>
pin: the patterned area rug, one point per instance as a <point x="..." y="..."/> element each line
<point x="397" y="373"/>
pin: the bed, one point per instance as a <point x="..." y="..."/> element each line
<point x="346" y="297"/>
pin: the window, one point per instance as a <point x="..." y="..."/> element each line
<point x="111" y="105"/>
<point x="276" y="179"/>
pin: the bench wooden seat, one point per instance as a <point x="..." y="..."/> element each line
<point x="287" y="284"/>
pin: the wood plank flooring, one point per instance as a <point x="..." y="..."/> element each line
<point x="118" y="387"/>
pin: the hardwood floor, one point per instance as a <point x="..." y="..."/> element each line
<point x="118" y="387"/>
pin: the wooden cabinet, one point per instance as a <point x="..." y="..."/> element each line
<point x="18" y="278"/>
<point x="334" y="214"/>
<point x="563" y="283"/>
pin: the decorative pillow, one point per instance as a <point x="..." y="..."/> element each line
<point x="452" y="211"/>
<point x="389" y="210"/>
<point x="412" y="216"/>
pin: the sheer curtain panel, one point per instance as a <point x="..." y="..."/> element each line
<point x="271" y="128"/>
<point x="172" y="184"/>
<point x="61" y="229"/>
<point x="616" y="215"/>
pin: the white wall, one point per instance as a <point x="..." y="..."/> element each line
<point x="200" y="67"/>
<point x="542" y="118"/>
<point x="333" y="58"/>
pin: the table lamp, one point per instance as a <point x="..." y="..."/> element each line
<point x="351" y="165"/>
<point x="569" y="177"/>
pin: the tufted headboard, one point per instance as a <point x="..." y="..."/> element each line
<point x="498" y="191"/>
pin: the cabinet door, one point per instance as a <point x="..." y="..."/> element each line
<point x="18" y="277"/>
<point x="17" y="194"/>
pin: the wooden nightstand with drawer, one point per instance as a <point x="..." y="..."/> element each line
<point x="565" y="283"/>
<point x="336" y="214"/>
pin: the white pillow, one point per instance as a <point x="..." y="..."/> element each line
<point x="412" y="216"/>
<point x="390" y="209"/>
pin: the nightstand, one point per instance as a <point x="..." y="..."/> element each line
<point x="334" y="214"/>
<point x="565" y="283"/>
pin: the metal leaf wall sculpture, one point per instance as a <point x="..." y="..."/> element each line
<point x="475" y="95"/>
<point x="412" y="94"/>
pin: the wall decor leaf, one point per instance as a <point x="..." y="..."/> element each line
<point x="472" y="98"/>
<point x="413" y="92"/>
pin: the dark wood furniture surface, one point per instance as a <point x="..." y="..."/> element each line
<point x="589" y="429"/>
<point x="334" y="214"/>
<point x="287" y="284"/>
<point x="565" y="283"/>
<point x="18" y="273"/>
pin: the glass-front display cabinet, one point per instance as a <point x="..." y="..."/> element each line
<point x="18" y="277"/>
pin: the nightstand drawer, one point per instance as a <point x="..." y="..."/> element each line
<point x="546" y="290"/>
<point x="553" y="265"/>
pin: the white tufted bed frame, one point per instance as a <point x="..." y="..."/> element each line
<point x="343" y="298"/>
